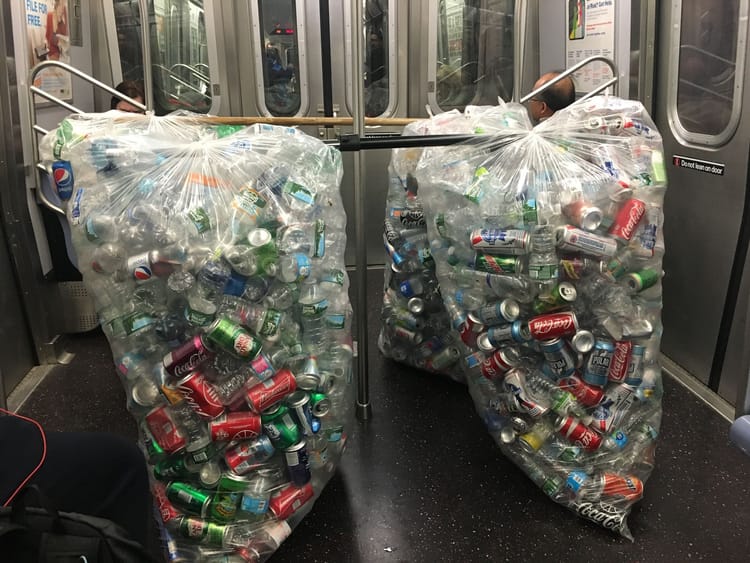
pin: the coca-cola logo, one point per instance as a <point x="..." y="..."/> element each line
<point x="189" y="363"/>
<point x="634" y="216"/>
<point x="604" y="514"/>
<point x="546" y="326"/>
<point x="619" y="363"/>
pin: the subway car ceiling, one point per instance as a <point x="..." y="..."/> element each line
<point x="684" y="60"/>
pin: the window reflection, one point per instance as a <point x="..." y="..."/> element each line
<point x="474" y="52"/>
<point x="179" y="52"/>
<point x="280" y="56"/>
<point x="707" y="59"/>
<point x="377" y="92"/>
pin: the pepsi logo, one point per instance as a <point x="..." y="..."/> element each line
<point x="62" y="176"/>
<point x="142" y="273"/>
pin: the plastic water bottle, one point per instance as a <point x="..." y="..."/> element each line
<point x="543" y="261"/>
<point x="739" y="433"/>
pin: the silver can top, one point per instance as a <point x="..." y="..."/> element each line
<point x="484" y="344"/>
<point x="567" y="292"/>
<point x="259" y="237"/>
<point x="415" y="305"/>
<point x="583" y="341"/>
<point x="145" y="393"/>
<point x="591" y="218"/>
<point x="510" y="309"/>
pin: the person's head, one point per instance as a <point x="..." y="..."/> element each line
<point x="554" y="98"/>
<point x="132" y="89"/>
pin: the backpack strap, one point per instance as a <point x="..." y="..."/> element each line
<point x="19" y="506"/>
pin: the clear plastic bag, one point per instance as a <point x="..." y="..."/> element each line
<point x="416" y="324"/>
<point x="556" y="233"/>
<point x="215" y="255"/>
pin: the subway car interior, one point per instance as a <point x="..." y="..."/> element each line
<point x="421" y="480"/>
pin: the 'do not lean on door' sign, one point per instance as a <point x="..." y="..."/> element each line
<point x="715" y="168"/>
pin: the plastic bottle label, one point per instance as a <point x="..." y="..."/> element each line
<point x="315" y="310"/>
<point x="271" y="322"/>
<point x="249" y="202"/>
<point x="75" y="213"/>
<point x="320" y="238"/>
<point x="200" y="219"/>
<point x="299" y="192"/>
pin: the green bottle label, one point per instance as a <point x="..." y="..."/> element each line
<point x="299" y="192"/>
<point x="135" y="322"/>
<point x="315" y="310"/>
<point x="320" y="239"/>
<point x="334" y="276"/>
<point x="200" y="219"/>
<point x="249" y="202"/>
<point x="271" y="323"/>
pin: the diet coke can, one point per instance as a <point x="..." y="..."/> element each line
<point x="234" y="427"/>
<point x="627" y="219"/>
<point x="555" y="325"/>
<point x="200" y="395"/>
<point x="578" y="433"/>
<point x="271" y="391"/>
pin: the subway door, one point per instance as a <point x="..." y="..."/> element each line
<point x="702" y="86"/>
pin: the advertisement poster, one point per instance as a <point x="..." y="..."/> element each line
<point x="591" y="31"/>
<point x="47" y="31"/>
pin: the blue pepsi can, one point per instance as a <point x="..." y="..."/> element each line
<point x="62" y="174"/>
<point x="298" y="464"/>
<point x="597" y="365"/>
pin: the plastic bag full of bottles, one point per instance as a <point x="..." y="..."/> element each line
<point x="415" y="323"/>
<point x="215" y="256"/>
<point x="563" y="225"/>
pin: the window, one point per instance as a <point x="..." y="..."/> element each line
<point x="473" y="59"/>
<point x="710" y="68"/>
<point x="280" y="56"/>
<point x="179" y="52"/>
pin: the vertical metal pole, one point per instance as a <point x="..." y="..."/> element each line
<point x="364" y="408"/>
<point x="148" y="82"/>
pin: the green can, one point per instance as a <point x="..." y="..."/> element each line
<point x="638" y="281"/>
<point x="279" y="426"/>
<point x="231" y="337"/>
<point x="228" y="496"/>
<point x="261" y="240"/>
<point x="202" y="530"/>
<point x="189" y="499"/>
<point x="171" y="468"/>
<point x="319" y="403"/>
<point x="498" y="264"/>
<point x="562" y="295"/>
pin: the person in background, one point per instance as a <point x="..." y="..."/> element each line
<point x="132" y="89"/>
<point x="558" y="96"/>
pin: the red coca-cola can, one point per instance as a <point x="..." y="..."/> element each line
<point x="578" y="433"/>
<point x="630" y="214"/>
<point x="271" y="391"/>
<point x="167" y="511"/>
<point x="235" y="426"/>
<point x="200" y="395"/>
<point x="586" y="394"/>
<point x="469" y="331"/>
<point x="289" y="499"/>
<point x="620" y="362"/>
<point x="554" y="325"/>
<point x="499" y="363"/>
<point x="626" y="487"/>
<point x="164" y="430"/>
<point x="188" y="357"/>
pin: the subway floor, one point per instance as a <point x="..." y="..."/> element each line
<point x="422" y="481"/>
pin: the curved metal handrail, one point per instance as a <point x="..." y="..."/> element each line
<point x="176" y="78"/>
<point x="34" y="90"/>
<point x="573" y="69"/>
<point x="192" y="70"/>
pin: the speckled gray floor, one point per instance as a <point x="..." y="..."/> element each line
<point x="423" y="481"/>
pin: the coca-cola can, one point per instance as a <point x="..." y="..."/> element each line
<point x="627" y="219"/>
<point x="164" y="430"/>
<point x="166" y="509"/>
<point x="500" y="362"/>
<point x="188" y="357"/>
<point x="289" y="499"/>
<point x="234" y="427"/>
<point x="271" y="391"/>
<point x="587" y="395"/>
<point x="200" y="395"/>
<point x="554" y="325"/>
<point x="620" y="362"/>
<point x="578" y="433"/>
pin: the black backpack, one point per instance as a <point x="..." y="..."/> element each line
<point x="44" y="535"/>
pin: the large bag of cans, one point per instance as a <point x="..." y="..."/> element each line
<point x="415" y="324"/>
<point x="556" y="233"/>
<point x="215" y="256"/>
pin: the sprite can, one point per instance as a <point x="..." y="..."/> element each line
<point x="189" y="499"/>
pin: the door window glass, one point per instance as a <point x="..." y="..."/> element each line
<point x="376" y="71"/>
<point x="280" y="56"/>
<point x="474" y="52"/>
<point x="707" y="71"/>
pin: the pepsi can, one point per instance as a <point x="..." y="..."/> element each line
<point x="62" y="173"/>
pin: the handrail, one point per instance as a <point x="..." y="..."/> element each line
<point x="34" y="90"/>
<point x="197" y="73"/>
<point x="570" y="71"/>
<point x="710" y="54"/>
<point x="180" y="80"/>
